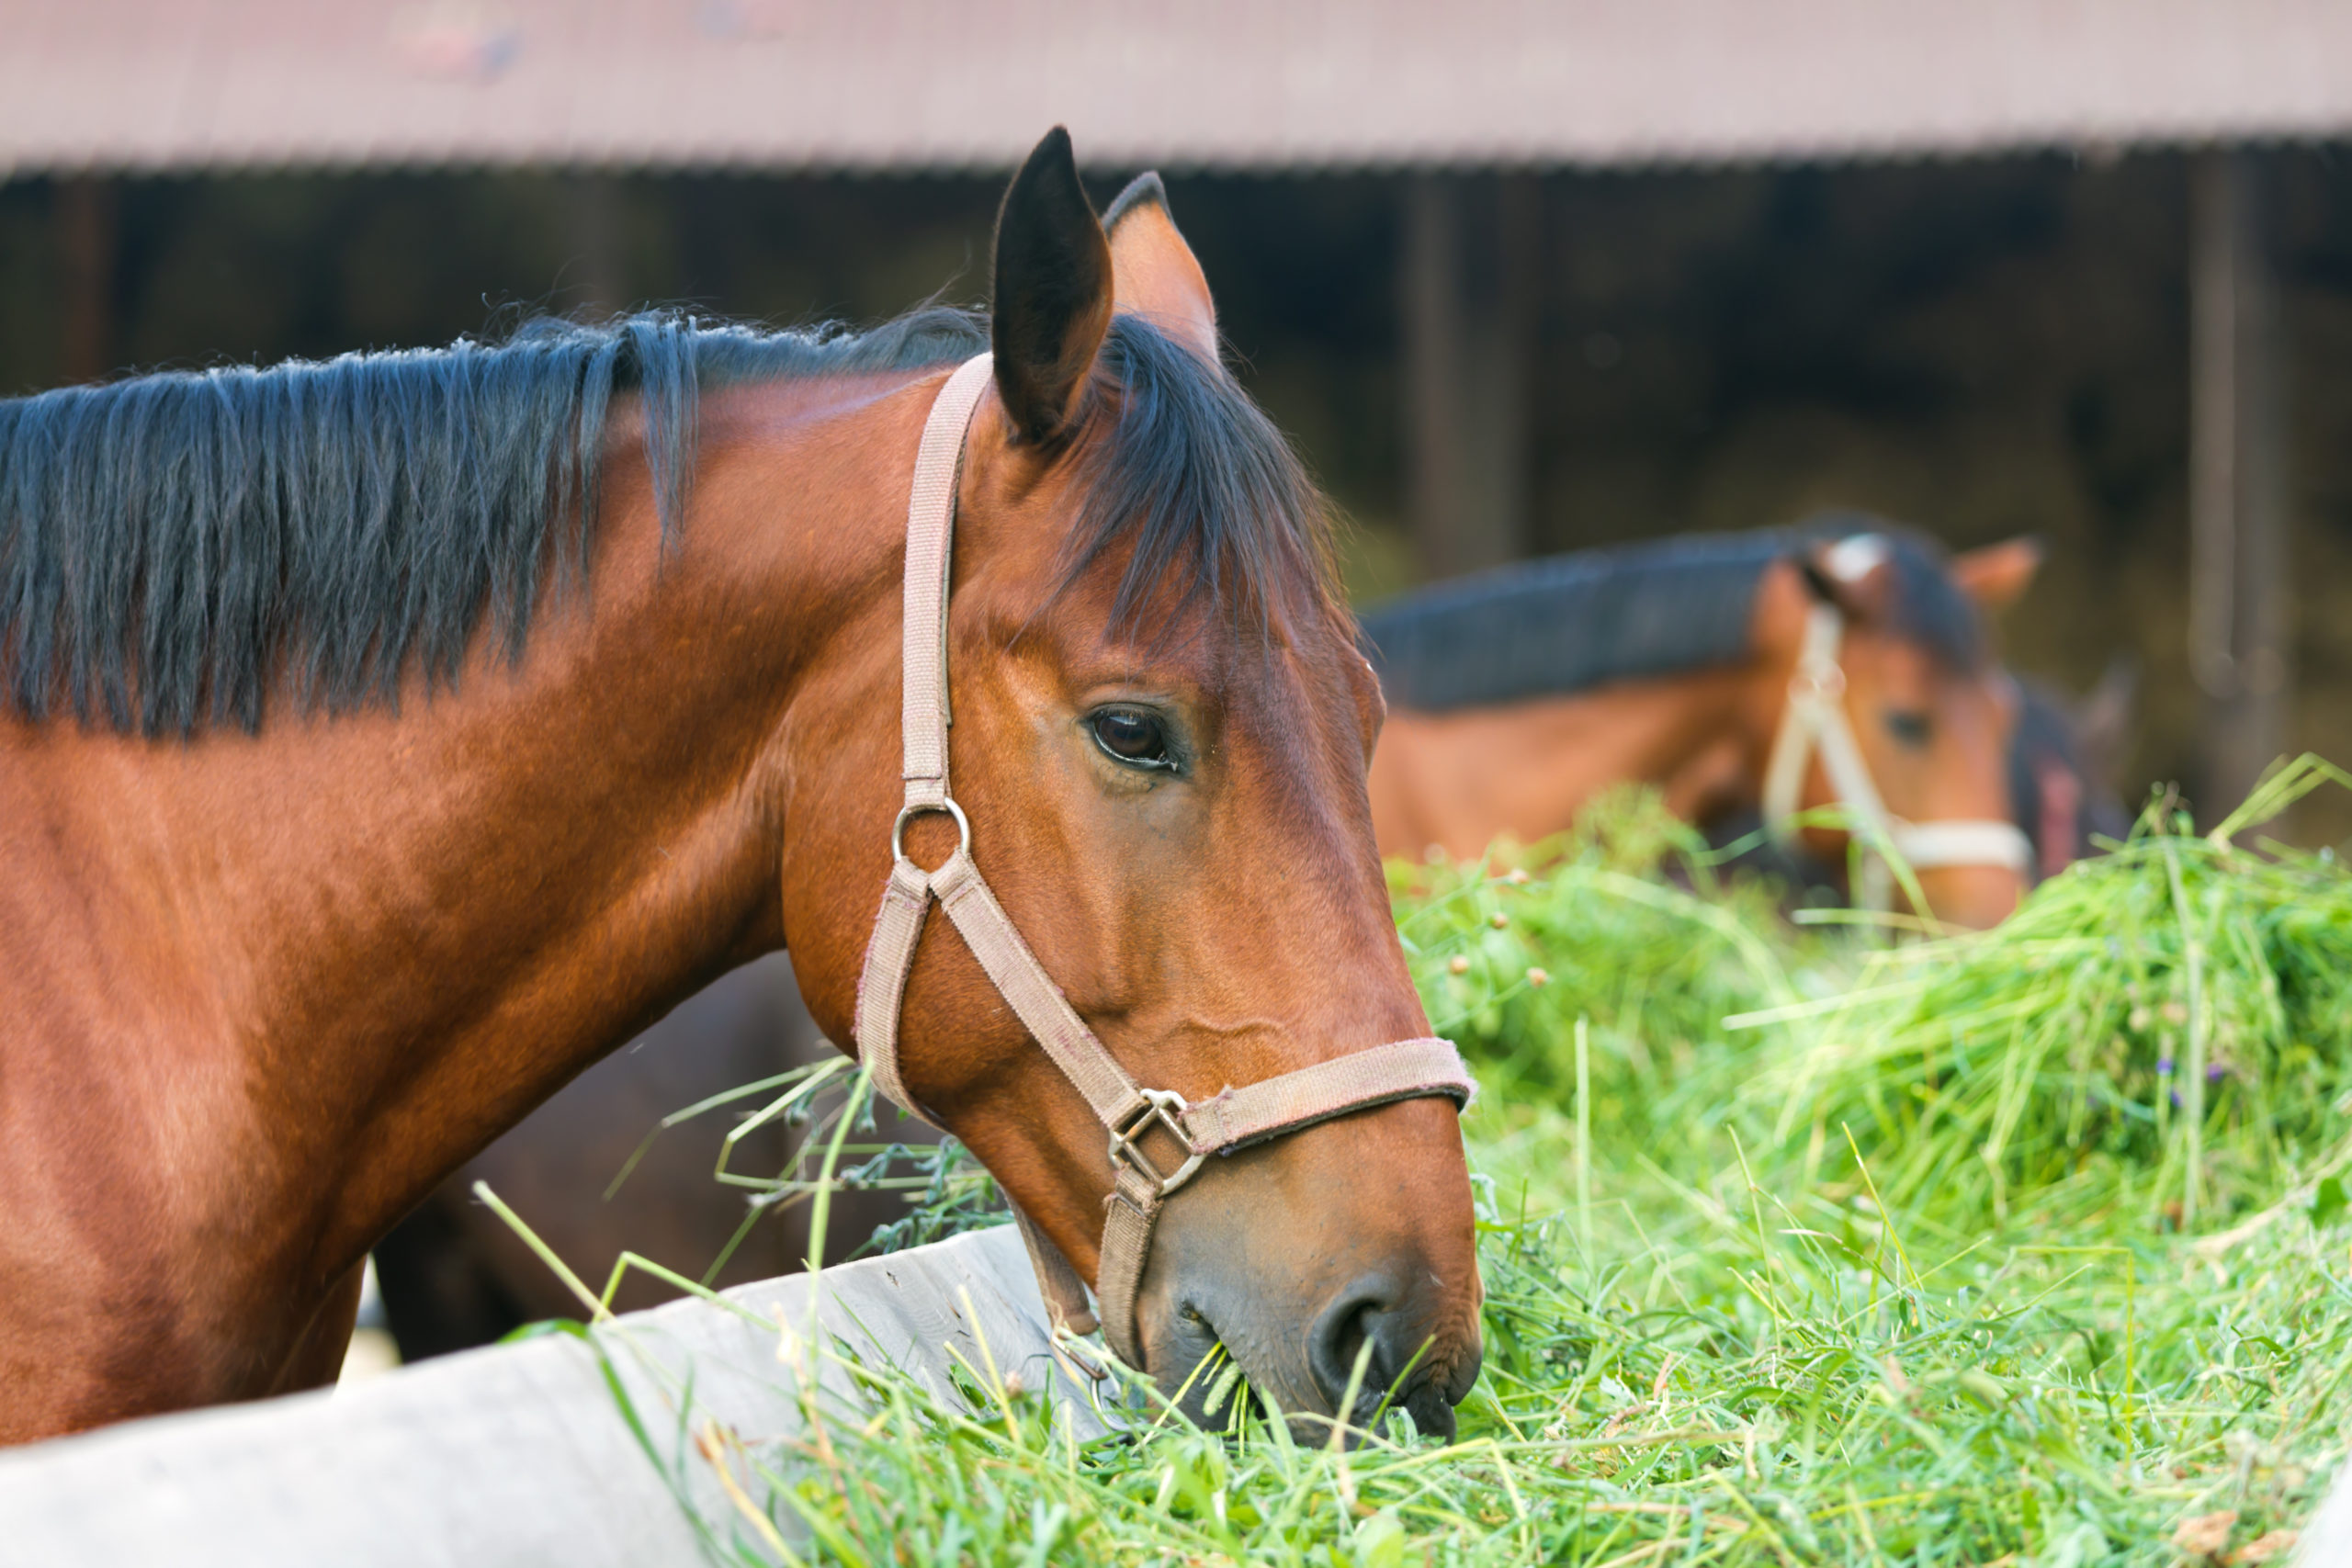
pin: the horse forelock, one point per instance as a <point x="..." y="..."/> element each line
<point x="1930" y="607"/>
<point x="1187" y="476"/>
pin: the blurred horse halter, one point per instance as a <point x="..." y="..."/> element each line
<point x="1233" y="1119"/>
<point x="1815" y="720"/>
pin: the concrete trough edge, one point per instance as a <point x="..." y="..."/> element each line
<point x="520" y="1454"/>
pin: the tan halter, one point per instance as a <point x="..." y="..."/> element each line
<point x="1815" y="719"/>
<point x="1233" y="1119"/>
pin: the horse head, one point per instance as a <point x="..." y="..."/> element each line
<point x="1161" y="726"/>
<point x="1897" y="720"/>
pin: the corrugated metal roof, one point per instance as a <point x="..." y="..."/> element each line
<point x="1234" y="84"/>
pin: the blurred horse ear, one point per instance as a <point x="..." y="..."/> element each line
<point x="1157" y="275"/>
<point x="1053" y="292"/>
<point x="1998" y="575"/>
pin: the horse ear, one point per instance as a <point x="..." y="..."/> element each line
<point x="1053" y="291"/>
<point x="1156" y="274"/>
<point x="1998" y="575"/>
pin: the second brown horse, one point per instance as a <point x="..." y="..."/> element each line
<point x="1517" y="696"/>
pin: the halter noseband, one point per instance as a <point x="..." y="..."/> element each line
<point x="1815" y="717"/>
<point x="1233" y="1119"/>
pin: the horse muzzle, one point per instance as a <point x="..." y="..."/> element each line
<point x="1336" y="1271"/>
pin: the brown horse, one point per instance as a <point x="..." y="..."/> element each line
<point x="1517" y="696"/>
<point x="392" y="738"/>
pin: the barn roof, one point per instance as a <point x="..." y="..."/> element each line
<point x="915" y="85"/>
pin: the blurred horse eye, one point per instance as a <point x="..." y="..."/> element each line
<point x="1135" y="739"/>
<point x="1909" y="727"/>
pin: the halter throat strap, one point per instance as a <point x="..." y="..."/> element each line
<point x="1233" y="1119"/>
<point x="1815" y="720"/>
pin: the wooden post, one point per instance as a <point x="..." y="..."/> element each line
<point x="2239" y="613"/>
<point x="1469" y="285"/>
<point x="85" y="217"/>
<point x="596" y="276"/>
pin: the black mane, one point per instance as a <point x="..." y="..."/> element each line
<point x="175" y="547"/>
<point x="180" y="549"/>
<point x="1571" y="622"/>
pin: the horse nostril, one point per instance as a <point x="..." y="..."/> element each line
<point x="1368" y="1314"/>
<point x="1339" y="1338"/>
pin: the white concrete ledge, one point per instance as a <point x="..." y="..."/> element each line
<point x="516" y="1455"/>
<point x="2328" y="1542"/>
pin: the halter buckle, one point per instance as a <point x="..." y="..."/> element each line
<point x="915" y="808"/>
<point x="1163" y="1107"/>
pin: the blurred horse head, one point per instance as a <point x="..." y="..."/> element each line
<point x="1837" y="678"/>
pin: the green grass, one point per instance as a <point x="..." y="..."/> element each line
<point x="2027" y="1246"/>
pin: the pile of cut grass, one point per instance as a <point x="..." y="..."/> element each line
<point x="1611" y="958"/>
<point x="1799" y="1246"/>
<point x="2166" y="1031"/>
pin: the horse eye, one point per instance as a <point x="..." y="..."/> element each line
<point x="1135" y="739"/>
<point x="1909" y="726"/>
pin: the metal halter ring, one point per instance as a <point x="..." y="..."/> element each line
<point x="1163" y="1106"/>
<point x="913" y="809"/>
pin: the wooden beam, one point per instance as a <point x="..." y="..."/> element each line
<point x="84" y="214"/>
<point x="596" y="276"/>
<point x="2240" y="612"/>
<point x="1469" y="288"/>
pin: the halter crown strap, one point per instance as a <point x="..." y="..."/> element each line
<point x="930" y="526"/>
<point x="1815" y="719"/>
<point x="1233" y="1119"/>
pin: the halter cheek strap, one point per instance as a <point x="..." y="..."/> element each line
<point x="1233" y="1119"/>
<point x="1815" y="720"/>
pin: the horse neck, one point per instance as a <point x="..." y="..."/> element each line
<point x="368" y="944"/>
<point x="1524" y="770"/>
